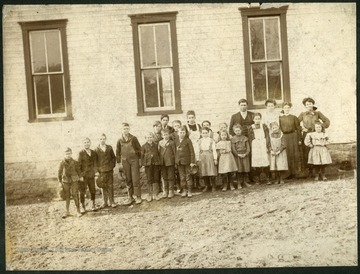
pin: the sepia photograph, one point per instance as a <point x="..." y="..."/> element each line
<point x="180" y="136"/>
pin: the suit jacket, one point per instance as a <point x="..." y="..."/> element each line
<point x="150" y="154"/>
<point x="87" y="163"/>
<point x="68" y="171"/>
<point x="245" y="123"/>
<point x="167" y="152"/>
<point x="105" y="161"/>
<point x="134" y="143"/>
<point x="185" y="154"/>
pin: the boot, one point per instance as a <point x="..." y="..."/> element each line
<point x="225" y="183"/>
<point x="189" y="194"/>
<point x="130" y="200"/>
<point x="171" y="189"/>
<point x="213" y="184"/>
<point x="93" y="208"/>
<point x="183" y="193"/>
<point x="165" y="189"/>
<point x="150" y="190"/>
<point x="240" y="180"/>
<point x="155" y="192"/>
<point x="281" y="181"/>
<point x="82" y="208"/>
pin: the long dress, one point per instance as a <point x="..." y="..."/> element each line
<point x="290" y="127"/>
<point x="226" y="160"/>
<point x="278" y="162"/>
<point x="259" y="155"/>
<point x="240" y="145"/>
<point x="318" y="154"/>
<point x="206" y="156"/>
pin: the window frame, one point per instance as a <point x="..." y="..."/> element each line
<point x="60" y="25"/>
<point x="153" y="18"/>
<point x="254" y="12"/>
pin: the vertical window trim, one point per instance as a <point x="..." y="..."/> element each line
<point x="160" y="17"/>
<point x="26" y="27"/>
<point x="257" y="12"/>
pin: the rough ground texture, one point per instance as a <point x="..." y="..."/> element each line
<point x="301" y="223"/>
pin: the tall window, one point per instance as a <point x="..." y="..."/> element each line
<point x="266" y="57"/>
<point x="46" y="70"/>
<point x="156" y="63"/>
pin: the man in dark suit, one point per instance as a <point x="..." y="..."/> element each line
<point x="243" y="117"/>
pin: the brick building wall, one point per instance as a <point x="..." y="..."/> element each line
<point x="321" y="46"/>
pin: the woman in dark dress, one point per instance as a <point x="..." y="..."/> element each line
<point x="290" y="126"/>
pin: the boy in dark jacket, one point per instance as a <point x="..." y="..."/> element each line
<point x="128" y="152"/>
<point x="184" y="159"/>
<point x="167" y="152"/>
<point x="68" y="176"/>
<point x="105" y="163"/>
<point x="87" y="160"/>
<point x="150" y="159"/>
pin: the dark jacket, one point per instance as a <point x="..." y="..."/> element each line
<point x="310" y="117"/>
<point x="87" y="163"/>
<point x="124" y="154"/>
<point x="68" y="171"/>
<point x="185" y="154"/>
<point x="167" y="151"/>
<point x="150" y="154"/>
<point x="267" y="136"/>
<point x="245" y="123"/>
<point x="105" y="161"/>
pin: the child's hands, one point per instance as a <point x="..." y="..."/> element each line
<point x="277" y="153"/>
<point x="273" y="153"/>
<point x="300" y="143"/>
<point x="215" y="162"/>
<point x="253" y="126"/>
<point x="81" y="179"/>
<point x="97" y="174"/>
<point x="60" y="183"/>
<point x="192" y="164"/>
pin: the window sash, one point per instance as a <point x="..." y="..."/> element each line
<point x="278" y="77"/>
<point x="53" y="83"/>
<point x="47" y="73"/>
<point x="263" y="18"/>
<point x="156" y="67"/>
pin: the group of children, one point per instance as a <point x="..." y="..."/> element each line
<point x="181" y="155"/>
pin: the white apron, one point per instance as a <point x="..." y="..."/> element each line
<point x="259" y="155"/>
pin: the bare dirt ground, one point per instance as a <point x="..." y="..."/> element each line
<point x="301" y="223"/>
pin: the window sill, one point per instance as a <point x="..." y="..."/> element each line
<point x="39" y="120"/>
<point x="159" y="112"/>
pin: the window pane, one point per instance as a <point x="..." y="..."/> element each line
<point x="42" y="94"/>
<point x="163" y="45"/>
<point x="37" y="47"/>
<point x="166" y="87"/>
<point x="150" y="88"/>
<point x="272" y="38"/>
<point x="259" y="82"/>
<point x="274" y="80"/>
<point x="57" y="93"/>
<point x="147" y="46"/>
<point x="257" y="39"/>
<point x="53" y="51"/>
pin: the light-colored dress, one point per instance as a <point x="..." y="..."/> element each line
<point x="226" y="160"/>
<point x="278" y="162"/>
<point x="318" y="154"/>
<point x="259" y="154"/>
<point x="206" y="155"/>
